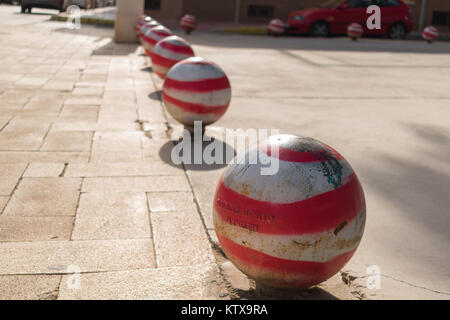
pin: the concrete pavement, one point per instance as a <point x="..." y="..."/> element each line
<point x="87" y="185"/>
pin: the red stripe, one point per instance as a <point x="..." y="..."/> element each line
<point x="162" y="76"/>
<point x="286" y="154"/>
<point x="433" y="36"/>
<point x="183" y="49"/>
<point x="162" y="61"/>
<point x="194" y="107"/>
<point x="308" y="272"/>
<point x="317" y="214"/>
<point x="205" y="85"/>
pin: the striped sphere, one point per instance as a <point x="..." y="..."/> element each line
<point x="297" y="227"/>
<point x="168" y="52"/>
<point x="355" y="31"/>
<point x="188" y="22"/>
<point x="276" y="27"/>
<point x="196" y="89"/>
<point x="152" y="36"/>
<point x="147" y="26"/>
<point x="430" y="33"/>
<point x="141" y="22"/>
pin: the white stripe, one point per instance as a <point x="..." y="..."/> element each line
<point x="295" y="181"/>
<point x="317" y="247"/>
<point x="208" y="99"/>
<point x="160" y="69"/>
<point x="187" y="71"/>
<point x="169" y="54"/>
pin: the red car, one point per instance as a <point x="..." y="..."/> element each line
<point x="396" y="20"/>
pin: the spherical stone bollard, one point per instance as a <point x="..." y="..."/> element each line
<point x="196" y="89"/>
<point x="142" y="21"/>
<point x="168" y="52"/>
<point x="430" y="34"/>
<point x="295" y="228"/>
<point x="152" y="36"/>
<point x="188" y="23"/>
<point x="355" y="31"/>
<point x="276" y="27"/>
<point x="147" y="26"/>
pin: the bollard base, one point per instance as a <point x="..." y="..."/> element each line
<point x="266" y="292"/>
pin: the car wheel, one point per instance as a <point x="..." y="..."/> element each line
<point x="397" y="31"/>
<point x="320" y="29"/>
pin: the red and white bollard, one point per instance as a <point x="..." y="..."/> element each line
<point x="147" y="26"/>
<point x="144" y="20"/>
<point x="355" y="31"/>
<point x="188" y="23"/>
<point x="151" y="37"/>
<point x="168" y="52"/>
<point x="295" y="228"/>
<point x="196" y="89"/>
<point x="430" y="34"/>
<point x="276" y="27"/>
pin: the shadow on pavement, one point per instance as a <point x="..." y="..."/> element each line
<point x="421" y="190"/>
<point x="156" y="95"/>
<point x="195" y="157"/>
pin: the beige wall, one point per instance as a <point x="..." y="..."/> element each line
<point x="432" y="5"/>
<point x="170" y="9"/>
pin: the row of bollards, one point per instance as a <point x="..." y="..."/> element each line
<point x="293" y="228"/>
<point x="355" y="30"/>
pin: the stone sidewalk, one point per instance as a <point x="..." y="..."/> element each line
<point x="83" y="188"/>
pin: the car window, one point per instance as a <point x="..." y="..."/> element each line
<point x="359" y="3"/>
<point x="387" y="3"/>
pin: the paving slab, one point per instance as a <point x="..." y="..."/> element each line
<point x="26" y="157"/>
<point x="10" y="174"/>
<point x="44" y="170"/>
<point x="51" y="257"/>
<point x="65" y="141"/>
<point x="136" y="184"/>
<point x="40" y="197"/>
<point x="176" y="283"/>
<point x="35" y="229"/>
<point x="180" y="239"/>
<point x="128" y="169"/>
<point x="171" y="201"/>
<point x="29" y="287"/>
<point x="103" y="216"/>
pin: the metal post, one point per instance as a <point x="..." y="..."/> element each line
<point x="422" y="15"/>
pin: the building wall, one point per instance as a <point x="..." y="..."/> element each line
<point x="431" y="6"/>
<point x="170" y="9"/>
<point x="225" y="10"/>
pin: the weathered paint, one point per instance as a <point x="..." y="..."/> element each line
<point x="168" y="52"/>
<point x="298" y="227"/>
<point x="196" y="89"/>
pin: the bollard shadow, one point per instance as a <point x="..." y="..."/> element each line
<point x="206" y="156"/>
<point x="147" y="69"/>
<point x="313" y="293"/>
<point x="156" y="95"/>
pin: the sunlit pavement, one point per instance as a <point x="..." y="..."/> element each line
<point x="77" y="121"/>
